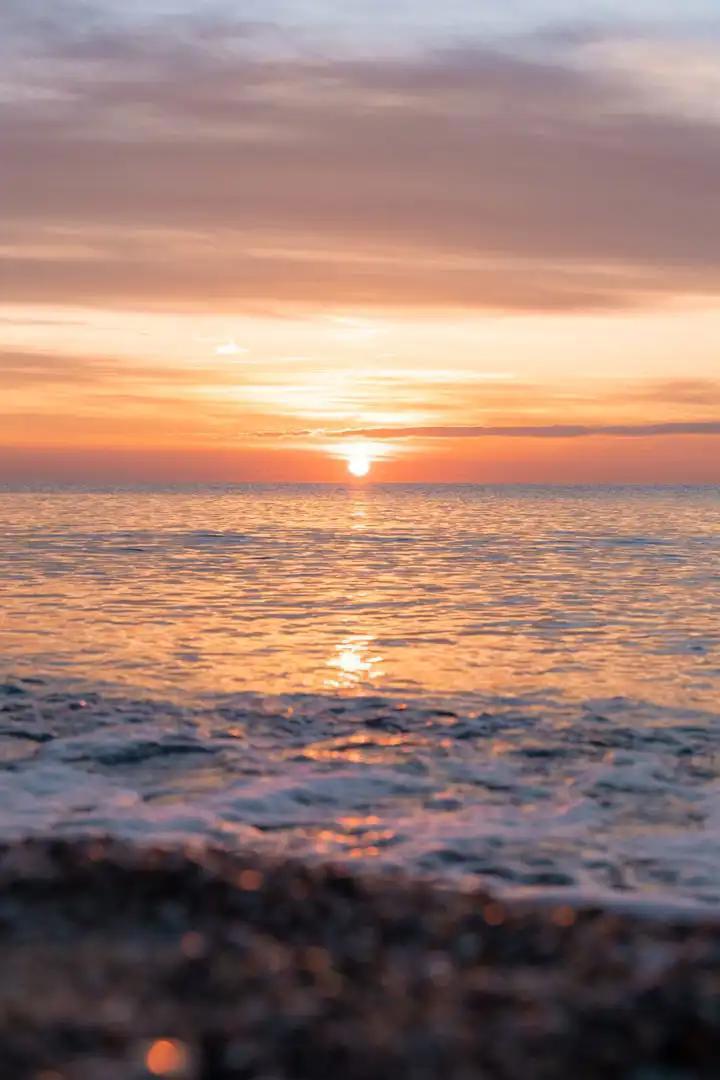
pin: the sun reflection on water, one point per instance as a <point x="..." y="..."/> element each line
<point x="353" y="662"/>
<point x="406" y="591"/>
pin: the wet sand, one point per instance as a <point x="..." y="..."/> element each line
<point x="119" y="962"/>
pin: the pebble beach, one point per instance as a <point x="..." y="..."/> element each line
<point x="126" y="963"/>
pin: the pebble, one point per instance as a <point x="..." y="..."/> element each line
<point x="131" y="962"/>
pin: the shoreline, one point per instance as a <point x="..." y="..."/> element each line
<point x="254" y="967"/>
<point x="542" y="800"/>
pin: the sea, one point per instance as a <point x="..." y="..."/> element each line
<point x="511" y="686"/>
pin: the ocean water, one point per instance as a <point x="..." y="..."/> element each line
<point x="513" y="685"/>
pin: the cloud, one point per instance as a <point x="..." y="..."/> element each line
<point x="538" y="431"/>
<point x="704" y="393"/>
<point x="679" y="77"/>
<point x="179" y="167"/>
<point x="19" y="369"/>
<point x="24" y="323"/>
<point x="230" y="348"/>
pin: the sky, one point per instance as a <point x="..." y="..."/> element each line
<point x="457" y="242"/>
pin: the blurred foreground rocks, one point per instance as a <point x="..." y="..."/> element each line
<point x="117" y="962"/>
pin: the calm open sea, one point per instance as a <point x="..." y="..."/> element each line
<point x="516" y="684"/>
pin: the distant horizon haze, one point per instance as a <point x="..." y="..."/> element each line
<point x="672" y="461"/>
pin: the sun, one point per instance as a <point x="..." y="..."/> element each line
<point x="359" y="462"/>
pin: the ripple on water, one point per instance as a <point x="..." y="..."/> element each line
<point x="616" y="798"/>
<point x="408" y="590"/>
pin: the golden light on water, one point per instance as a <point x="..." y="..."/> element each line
<point x="353" y="662"/>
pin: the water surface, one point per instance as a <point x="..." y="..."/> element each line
<point x="415" y="589"/>
<point x="516" y="684"/>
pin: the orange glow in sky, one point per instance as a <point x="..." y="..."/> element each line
<point x="274" y="282"/>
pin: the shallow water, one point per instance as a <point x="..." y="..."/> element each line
<point x="519" y="684"/>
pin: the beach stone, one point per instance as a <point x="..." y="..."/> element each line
<point x="134" y="962"/>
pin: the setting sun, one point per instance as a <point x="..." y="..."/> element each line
<point x="359" y="462"/>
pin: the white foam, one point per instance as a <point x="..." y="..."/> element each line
<point x="524" y="800"/>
